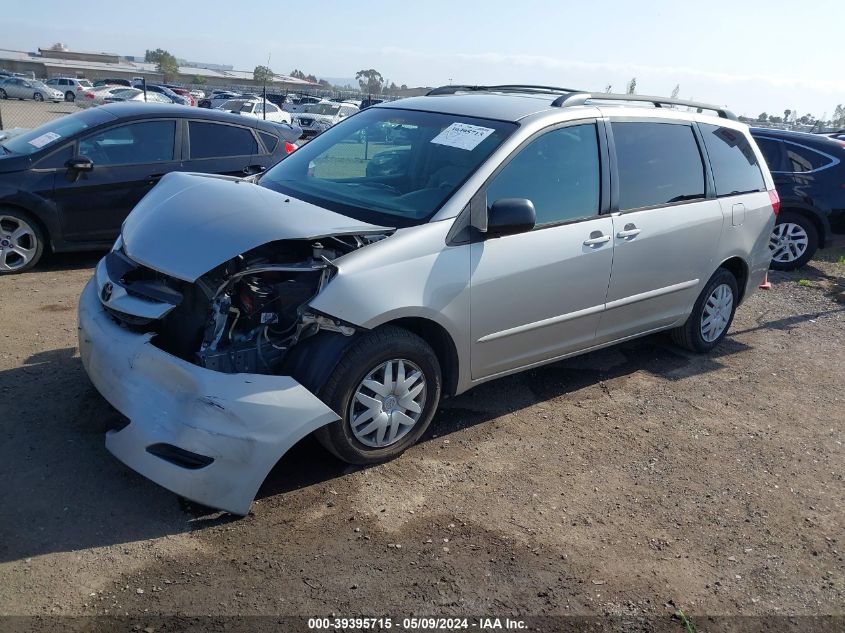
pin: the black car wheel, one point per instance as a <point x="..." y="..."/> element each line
<point x="21" y="241"/>
<point x="70" y="96"/>
<point x="385" y="389"/>
<point x="794" y="241"/>
<point x="711" y="315"/>
<point x="38" y="96"/>
<point x="3" y="94"/>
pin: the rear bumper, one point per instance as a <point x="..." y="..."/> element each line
<point x="237" y="425"/>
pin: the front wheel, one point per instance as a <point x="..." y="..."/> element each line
<point x="3" y="94"/>
<point x="711" y="315"/>
<point x="385" y="389"/>
<point x="793" y="242"/>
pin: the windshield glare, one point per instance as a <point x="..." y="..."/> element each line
<point x="388" y="166"/>
<point x="54" y="132"/>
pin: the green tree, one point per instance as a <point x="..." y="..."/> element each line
<point x="165" y="63"/>
<point x="263" y="75"/>
<point x="370" y="81"/>
<point x="199" y="80"/>
<point x="632" y="86"/>
<point x="786" y="114"/>
<point x="297" y="74"/>
<point x="763" y="117"/>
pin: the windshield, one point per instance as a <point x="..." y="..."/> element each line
<point x="55" y="131"/>
<point x="84" y="83"/>
<point x="388" y="166"/>
<point x="321" y="108"/>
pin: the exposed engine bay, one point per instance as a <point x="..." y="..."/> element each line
<point x="246" y="314"/>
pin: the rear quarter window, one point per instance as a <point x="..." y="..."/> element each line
<point x="217" y="140"/>
<point x="269" y="140"/>
<point x="659" y="163"/>
<point x="732" y="159"/>
<point x="802" y="159"/>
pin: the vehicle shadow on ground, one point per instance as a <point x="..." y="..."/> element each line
<point x="62" y="491"/>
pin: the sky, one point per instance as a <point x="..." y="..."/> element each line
<point x="750" y="55"/>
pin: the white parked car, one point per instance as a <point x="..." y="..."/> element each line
<point x="69" y="86"/>
<point x="257" y="109"/>
<point x="316" y="118"/>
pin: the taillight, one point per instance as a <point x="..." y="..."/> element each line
<point x="89" y="95"/>
<point x="775" y="198"/>
<point x="289" y="148"/>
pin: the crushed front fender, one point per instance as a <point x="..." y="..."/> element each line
<point x="208" y="436"/>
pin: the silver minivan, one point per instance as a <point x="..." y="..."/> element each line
<point x="409" y="253"/>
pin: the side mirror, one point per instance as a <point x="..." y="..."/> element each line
<point x="508" y="216"/>
<point x="80" y="163"/>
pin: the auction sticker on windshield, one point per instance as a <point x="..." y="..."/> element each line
<point x="44" y="139"/>
<point x="463" y="136"/>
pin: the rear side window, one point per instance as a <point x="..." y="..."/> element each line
<point x="732" y="160"/>
<point x="772" y="152"/>
<point x="559" y="172"/>
<point x="215" y="140"/>
<point x="269" y="140"/>
<point x="801" y="159"/>
<point x="659" y="163"/>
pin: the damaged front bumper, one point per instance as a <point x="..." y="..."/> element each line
<point x="208" y="436"/>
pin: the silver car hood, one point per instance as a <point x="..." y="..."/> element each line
<point x="191" y="223"/>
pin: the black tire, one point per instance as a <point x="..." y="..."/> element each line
<point x="3" y="94"/>
<point x="70" y="96"/>
<point x="38" y="96"/>
<point x="37" y="233"/>
<point x="366" y="354"/>
<point x="689" y="335"/>
<point x="791" y="217"/>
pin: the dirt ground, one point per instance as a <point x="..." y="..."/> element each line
<point x="633" y="481"/>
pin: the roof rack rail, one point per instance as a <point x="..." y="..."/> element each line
<point x="452" y="89"/>
<point x="566" y="101"/>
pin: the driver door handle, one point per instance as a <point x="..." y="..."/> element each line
<point x="596" y="238"/>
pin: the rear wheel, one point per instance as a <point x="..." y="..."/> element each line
<point x="3" y="94"/>
<point x="711" y="315"/>
<point x="385" y="389"/>
<point x="21" y="242"/>
<point x="38" y="96"/>
<point x="794" y="241"/>
<point x="70" y="96"/>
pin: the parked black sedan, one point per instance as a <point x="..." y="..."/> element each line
<point x="809" y="174"/>
<point x="69" y="184"/>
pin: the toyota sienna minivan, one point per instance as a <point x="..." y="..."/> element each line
<point x="348" y="289"/>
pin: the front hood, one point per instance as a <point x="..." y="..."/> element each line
<point x="191" y="223"/>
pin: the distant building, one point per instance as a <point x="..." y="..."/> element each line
<point x="59" y="61"/>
